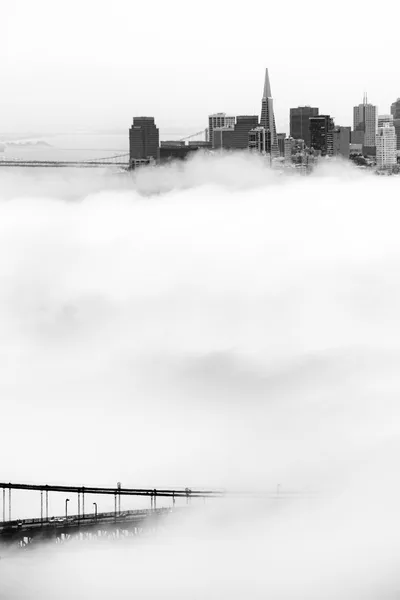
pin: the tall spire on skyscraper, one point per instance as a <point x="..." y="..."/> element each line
<point x="267" y="86"/>
<point x="267" y="119"/>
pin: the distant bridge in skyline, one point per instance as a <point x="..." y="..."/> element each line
<point x="119" y="160"/>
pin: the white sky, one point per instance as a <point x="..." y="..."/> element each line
<point x="96" y="63"/>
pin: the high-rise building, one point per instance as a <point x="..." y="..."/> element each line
<point x="386" y="147"/>
<point x="244" y="124"/>
<point x="321" y="134"/>
<point x="267" y="119"/>
<point x="382" y="119"/>
<point x="236" y="138"/>
<point x="219" y="120"/>
<point x="223" y="138"/>
<point x="257" y="139"/>
<point x="143" y="139"/>
<point x="281" y="143"/>
<point x="395" y="109"/>
<point x="289" y="145"/>
<point x="396" y="125"/>
<point x="365" y="120"/>
<point x="300" y="122"/>
<point x="341" y="141"/>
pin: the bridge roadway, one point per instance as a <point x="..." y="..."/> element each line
<point x="131" y="522"/>
<point x="22" y="533"/>
<point x="62" y="163"/>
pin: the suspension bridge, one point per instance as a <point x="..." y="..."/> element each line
<point x="88" y="524"/>
<point x="119" y="160"/>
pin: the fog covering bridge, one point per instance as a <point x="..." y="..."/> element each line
<point x="22" y="532"/>
<point x="94" y="524"/>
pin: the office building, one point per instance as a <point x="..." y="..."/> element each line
<point x="289" y="146"/>
<point x="281" y="143"/>
<point x="244" y="124"/>
<point x="236" y="138"/>
<point x="223" y="138"/>
<point x="386" y="147"/>
<point x="396" y="125"/>
<point x="321" y="138"/>
<point x="173" y="151"/>
<point x="357" y="137"/>
<point x="143" y="139"/>
<point x="219" y="120"/>
<point x="257" y="139"/>
<point x="341" y="141"/>
<point x="382" y="119"/>
<point x="365" y="121"/>
<point x="395" y="109"/>
<point x="267" y="119"/>
<point x="300" y="122"/>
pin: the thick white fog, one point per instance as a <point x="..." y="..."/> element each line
<point x="207" y="325"/>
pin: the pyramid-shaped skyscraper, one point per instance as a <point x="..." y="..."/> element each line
<point x="268" y="119"/>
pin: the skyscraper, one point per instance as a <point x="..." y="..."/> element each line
<point x="321" y="134"/>
<point x="143" y="139"/>
<point x="219" y="120"/>
<point x="268" y="119"/>
<point x="365" y="121"/>
<point x="386" y="151"/>
<point x="300" y="122"/>
<point x="395" y="109"/>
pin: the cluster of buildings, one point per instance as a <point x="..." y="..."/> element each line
<point x="311" y="136"/>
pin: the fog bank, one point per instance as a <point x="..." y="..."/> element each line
<point x="212" y="324"/>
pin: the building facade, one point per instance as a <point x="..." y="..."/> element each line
<point x="396" y="125"/>
<point x="219" y="120"/>
<point x="267" y="119"/>
<point x="382" y="119"/>
<point x="341" y="141"/>
<point x="386" y="147"/>
<point x="144" y="139"/>
<point x="281" y="143"/>
<point x="300" y="122"/>
<point x="289" y="145"/>
<point x="236" y="138"/>
<point x="223" y="138"/>
<point x="365" y="121"/>
<point x="257" y="139"/>
<point x="395" y="109"/>
<point x="171" y="152"/>
<point x="321" y="134"/>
